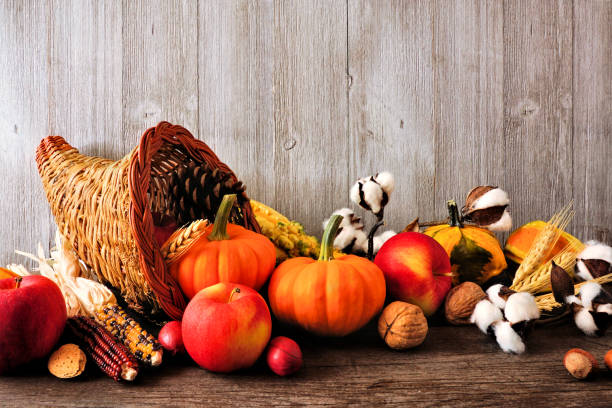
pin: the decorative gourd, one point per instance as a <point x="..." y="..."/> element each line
<point x="225" y="253"/>
<point x="475" y="253"/>
<point x="519" y="242"/>
<point x="328" y="297"/>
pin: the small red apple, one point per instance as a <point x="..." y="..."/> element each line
<point x="32" y="319"/>
<point x="284" y="356"/>
<point x="417" y="270"/>
<point x="171" y="337"/>
<point x="226" y="327"/>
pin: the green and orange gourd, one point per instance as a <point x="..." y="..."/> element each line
<point x="475" y="253"/>
<point x="329" y="296"/>
<point x="225" y="253"/>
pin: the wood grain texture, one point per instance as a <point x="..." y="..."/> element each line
<point x="236" y="89"/>
<point x="24" y="105"/>
<point x="454" y="367"/>
<point x="310" y="110"/>
<point x="537" y="107"/>
<point x="391" y="103"/>
<point x="592" y="103"/>
<point x="468" y="98"/>
<point x="160" y="62"/>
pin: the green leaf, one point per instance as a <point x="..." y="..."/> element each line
<point x="470" y="259"/>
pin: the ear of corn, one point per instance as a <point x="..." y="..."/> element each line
<point x="140" y="343"/>
<point x="287" y="235"/>
<point x="111" y="357"/>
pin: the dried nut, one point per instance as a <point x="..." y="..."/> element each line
<point x="579" y="363"/>
<point x="461" y="301"/>
<point x="608" y="360"/>
<point x="402" y="325"/>
<point x="67" y="362"/>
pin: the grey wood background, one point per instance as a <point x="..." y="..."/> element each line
<point x="301" y="98"/>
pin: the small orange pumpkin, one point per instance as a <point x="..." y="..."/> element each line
<point x="6" y="273"/>
<point x="328" y="297"/>
<point x="225" y="253"/>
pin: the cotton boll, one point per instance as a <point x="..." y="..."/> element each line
<point x="492" y="198"/>
<point x="373" y="195"/>
<point x="521" y="307"/>
<point x="386" y="181"/>
<point x="345" y="238"/>
<point x="573" y="300"/>
<point x="354" y="193"/>
<point x="607" y="308"/>
<point x="493" y="294"/>
<point x="588" y="292"/>
<point x="380" y="239"/>
<point x="503" y="224"/>
<point x="507" y="338"/>
<point x="585" y="322"/>
<point x="596" y="250"/>
<point x="484" y="314"/>
<point x="348" y="219"/>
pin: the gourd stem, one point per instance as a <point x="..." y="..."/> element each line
<point x="453" y="212"/>
<point x="327" y="242"/>
<point x="219" y="231"/>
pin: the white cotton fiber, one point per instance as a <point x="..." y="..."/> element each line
<point x="380" y="239"/>
<point x="588" y="292"/>
<point x="503" y="224"/>
<point x="507" y="338"/>
<point x="491" y="198"/>
<point x="386" y="181"/>
<point x="493" y="294"/>
<point x="607" y="308"/>
<point x="484" y="314"/>
<point x="585" y="322"/>
<point x="521" y="307"/>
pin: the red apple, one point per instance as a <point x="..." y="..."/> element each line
<point x="32" y="319"/>
<point x="171" y="337"/>
<point x="417" y="270"/>
<point x="226" y="327"/>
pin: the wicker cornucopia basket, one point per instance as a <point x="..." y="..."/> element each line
<point x="108" y="209"/>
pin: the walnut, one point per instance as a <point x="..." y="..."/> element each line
<point x="461" y="301"/>
<point x="402" y="325"/>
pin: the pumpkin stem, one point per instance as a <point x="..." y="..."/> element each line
<point x="453" y="212"/>
<point x="219" y="231"/>
<point x="327" y="242"/>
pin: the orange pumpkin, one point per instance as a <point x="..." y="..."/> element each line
<point x="225" y="253"/>
<point x="519" y="242"/>
<point x="328" y="297"/>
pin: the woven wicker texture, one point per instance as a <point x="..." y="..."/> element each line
<point x="106" y="208"/>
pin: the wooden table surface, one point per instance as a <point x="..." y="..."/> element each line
<point x="455" y="366"/>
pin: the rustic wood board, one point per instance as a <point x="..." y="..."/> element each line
<point x="455" y="366"/>
<point x="303" y="98"/>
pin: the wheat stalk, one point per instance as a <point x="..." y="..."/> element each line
<point x="539" y="281"/>
<point x="544" y="243"/>
<point x="547" y="302"/>
<point x="182" y="240"/>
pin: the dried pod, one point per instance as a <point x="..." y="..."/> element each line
<point x="402" y="325"/>
<point x="487" y="207"/>
<point x="580" y="363"/>
<point x="461" y="301"/>
<point x="594" y="261"/>
<point x="413" y="226"/>
<point x="561" y="283"/>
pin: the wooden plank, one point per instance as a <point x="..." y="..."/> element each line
<point x="160" y="65"/>
<point x="310" y="110"/>
<point x="537" y="107"/>
<point x="592" y="147"/>
<point x="455" y="366"/>
<point x="23" y="122"/>
<point x="236" y="89"/>
<point x="85" y="76"/>
<point x="468" y="98"/>
<point x="391" y="103"/>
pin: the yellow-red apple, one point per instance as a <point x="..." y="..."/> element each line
<point x="417" y="270"/>
<point x="32" y="319"/>
<point x="226" y="327"/>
